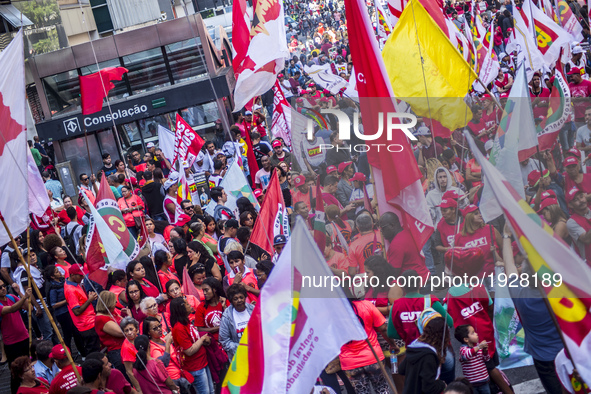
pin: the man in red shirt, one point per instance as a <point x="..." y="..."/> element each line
<point x="66" y="378"/>
<point x="448" y="227"/>
<point x="538" y="93"/>
<point x="366" y="244"/>
<point x="574" y="178"/>
<point x="81" y="310"/>
<point x="580" y="89"/>
<point x="330" y="188"/>
<point x="477" y="125"/>
<point x="402" y="253"/>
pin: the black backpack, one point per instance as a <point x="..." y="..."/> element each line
<point x="69" y="240"/>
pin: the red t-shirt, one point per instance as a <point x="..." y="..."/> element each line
<point x="362" y="248"/>
<point x="111" y="342"/>
<point x="356" y="354"/>
<point x="477" y="128"/>
<point x="405" y="312"/>
<point x="209" y="316"/>
<point x="150" y="289"/>
<point x="584" y="185"/>
<point x="480" y="239"/>
<point x="128" y="352"/>
<point x="184" y="337"/>
<point x="447" y="232"/>
<point x="538" y="110"/>
<point x="164" y="277"/>
<point x="490" y="120"/>
<point x="41" y="388"/>
<point x="174" y="368"/>
<point x="403" y="254"/>
<point x="472" y="308"/>
<point x="63" y="215"/>
<point x="12" y="326"/>
<point x="64" y="381"/>
<point x="582" y="89"/>
<point x="338" y="261"/>
<point x="118" y="383"/>
<point x="76" y="297"/>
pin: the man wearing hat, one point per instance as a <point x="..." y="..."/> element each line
<point x="256" y="125"/>
<point x="263" y="176"/>
<point x="574" y="178"/>
<point x="279" y="242"/>
<point x="427" y="149"/>
<point x="66" y="378"/>
<point x="579" y="223"/>
<point x="171" y="207"/>
<point x="578" y="60"/>
<point x="302" y="191"/>
<point x="579" y="89"/>
<point x="258" y="194"/>
<point x="81" y="309"/>
<point x="360" y="189"/>
<point x="280" y="155"/>
<point x="539" y="182"/>
<point x="448" y="227"/>
<point x="332" y="170"/>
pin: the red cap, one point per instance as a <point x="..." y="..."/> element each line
<point x="469" y="208"/>
<point x="486" y="95"/>
<point x="279" y="75"/>
<point x="311" y="84"/>
<point x="548" y="194"/>
<point x="58" y="352"/>
<point x="573" y="71"/>
<point x="359" y="177"/>
<point x="534" y="177"/>
<point x="75" y="270"/>
<point x="448" y="203"/>
<point x="575" y="152"/>
<point x="183" y="219"/>
<point x="131" y="180"/>
<point x="299" y="180"/>
<point x="257" y="193"/>
<point x="330" y="169"/>
<point x="453" y="194"/>
<point x="504" y="95"/>
<point x="546" y="203"/>
<point x="571" y="194"/>
<point x="569" y="161"/>
<point x="344" y="165"/>
<point x="276" y="143"/>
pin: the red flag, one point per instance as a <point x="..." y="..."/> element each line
<point x="186" y="140"/>
<point x="269" y="222"/>
<point x="401" y="192"/>
<point x="253" y="166"/>
<point x="319" y="219"/>
<point x="240" y="33"/>
<point x="281" y="125"/>
<point x="95" y="87"/>
<point x="437" y="128"/>
<point x="366" y="201"/>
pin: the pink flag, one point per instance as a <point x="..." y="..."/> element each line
<point x="17" y="200"/>
<point x="401" y="192"/>
<point x="186" y="140"/>
<point x="281" y="126"/>
<point x="267" y="50"/>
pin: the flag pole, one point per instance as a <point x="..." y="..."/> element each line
<point x="375" y="195"/>
<point x="88" y="150"/>
<point x="489" y="92"/>
<point x="54" y="326"/>
<point x="382" y="368"/>
<point x="29" y="285"/>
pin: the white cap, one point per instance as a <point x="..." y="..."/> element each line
<point x="150" y="145"/>
<point x="423" y="130"/>
<point x="577" y="50"/>
<point x="488" y="145"/>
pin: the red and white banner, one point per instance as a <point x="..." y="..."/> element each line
<point x="551" y="37"/>
<point x="186" y="141"/>
<point x="271" y="216"/>
<point x="281" y="126"/>
<point x="17" y="199"/>
<point x="489" y="68"/>
<point x="400" y="191"/>
<point x="396" y="7"/>
<point x="256" y="68"/>
<point x="569" y="21"/>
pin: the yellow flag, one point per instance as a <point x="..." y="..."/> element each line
<point x="435" y="89"/>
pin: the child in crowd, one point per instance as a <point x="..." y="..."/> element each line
<point x="473" y="358"/>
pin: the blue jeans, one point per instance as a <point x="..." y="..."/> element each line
<point x="567" y="136"/>
<point x="448" y="369"/>
<point x="429" y="262"/>
<point x="481" y="388"/>
<point x="203" y="382"/>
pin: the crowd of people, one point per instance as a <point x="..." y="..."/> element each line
<point x="172" y="320"/>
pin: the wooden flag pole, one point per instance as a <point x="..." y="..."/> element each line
<point x="55" y="329"/>
<point x="382" y="368"/>
<point x="375" y="195"/>
<point x="30" y="308"/>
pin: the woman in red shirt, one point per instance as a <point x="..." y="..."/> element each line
<point x="163" y="262"/>
<point x="134" y="296"/>
<point x="159" y="345"/>
<point x="136" y="271"/>
<point x="58" y="257"/>
<point x="173" y="291"/>
<point x="131" y="329"/>
<point x="189" y="343"/>
<point x="116" y="283"/>
<point x="106" y="325"/>
<point x="131" y="207"/>
<point x="384" y="292"/>
<point x="23" y="375"/>
<point x="150" y="308"/>
<point x="209" y="313"/>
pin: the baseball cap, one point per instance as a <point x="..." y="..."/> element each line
<point x="330" y="169"/>
<point x="276" y="143"/>
<point x="279" y="75"/>
<point x="469" y="208"/>
<point x="232" y="223"/>
<point x="183" y="219"/>
<point x="488" y="145"/>
<point x="359" y="177"/>
<point x="574" y="70"/>
<point x="546" y="203"/>
<point x="548" y="194"/>
<point x="150" y="145"/>
<point x="248" y="113"/>
<point x="577" y="49"/>
<point x="423" y="130"/>
<point x="451" y="194"/>
<point x="75" y="270"/>
<point x="448" y="203"/>
<point x="257" y="193"/>
<point x="569" y="161"/>
<point x="571" y="194"/>
<point x="344" y="165"/>
<point x="311" y="84"/>
<point x="534" y="177"/>
<point x="299" y="180"/>
<point x="58" y="352"/>
<point x="279" y="240"/>
<point x="574" y="151"/>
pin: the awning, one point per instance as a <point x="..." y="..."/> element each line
<point x="13" y="16"/>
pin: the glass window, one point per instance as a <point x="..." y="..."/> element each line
<point x="102" y="17"/>
<point x="75" y="151"/>
<point x="185" y="61"/>
<point x="129" y="135"/>
<point x="62" y="91"/>
<point x="108" y="143"/>
<point x="149" y="126"/>
<point x="147" y="70"/>
<point x="120" y="90"/>
<point x="202" y="118"/>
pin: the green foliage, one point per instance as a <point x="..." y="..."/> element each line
<point x="41" y="12"/>
<point x="49" y="44"/>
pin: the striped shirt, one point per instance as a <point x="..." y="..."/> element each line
<point x="473" y="363"/>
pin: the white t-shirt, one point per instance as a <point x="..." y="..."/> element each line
<point x="262" y="177"/>
<point x="241" y="321"/>
<point x="584" y="135"/>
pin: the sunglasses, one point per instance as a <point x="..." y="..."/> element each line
<point x="84" y="179"/>
<point x="3" y="286"/>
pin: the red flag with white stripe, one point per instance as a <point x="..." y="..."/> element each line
<point x="401" y="192"/>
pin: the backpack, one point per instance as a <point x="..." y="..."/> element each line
<point x="69" y="240"/>
<point x="11" y="298"/>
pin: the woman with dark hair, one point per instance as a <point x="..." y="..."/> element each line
<point x="174" y="291"/>
<point x="131" y="329"/>
<point x="177" y="232"/>
<point x="136" y="271"/>
<point x="209" y="313"/>
<point x="134" y="295"/>
<point x="459" y="386"/>
<point x="59" y="257"/>
<point x="198" y="254"/>
<point x="338" y="229"/>
<point x="180" y="260"/>
<point x="132" y="209"/>
<point x="163" y="262"/>
<point x="241" y="274"/>
<point x="264" y="269"/>
<point x="426" y="354"/>
<point x="150" y="372"/>
<point x="381" y="294"/>
<point x="189" y="341"/>
<point x="211" y="228"/>
<point x="158" y="176"/>
<point x="234" y="319"/>
<point x="244" y="205"/>
<point x="247" y="219"/>
<point x="120" y="166"/>
<point x="151" y="272"/>
<point x="116" y="283"/>
<point x="37" y="238"/>
<point x="198" y="231"/>
<point x="23" y="377"/>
